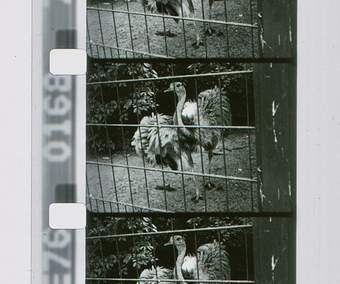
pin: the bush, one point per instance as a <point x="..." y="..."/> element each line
<point x="117" y="104"/>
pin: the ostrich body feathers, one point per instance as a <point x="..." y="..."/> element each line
<point x="155" y="273"/>
<point x="167" y="146"/>
<point x="181" y="8"/>
<point x="212" y="109"/>
<point x="213" y="262"/>
<point x="161" y="145"/>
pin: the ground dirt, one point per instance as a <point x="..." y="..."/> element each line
<point x="139" y="33"/>
<point x="139" y="188"/>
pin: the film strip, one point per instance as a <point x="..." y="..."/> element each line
<point x="97" y="129"/>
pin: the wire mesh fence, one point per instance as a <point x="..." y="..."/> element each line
<point x="166" y="176"/>
<point x="142" y="254"/>
<point x="179" y="29"/>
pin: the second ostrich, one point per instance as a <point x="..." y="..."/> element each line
<point x="211" y="261"/>
<point x="172" y="147"/>
<point x="180" y="8"/>
<point x="212" y="109"/>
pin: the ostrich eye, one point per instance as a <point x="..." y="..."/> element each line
<point x="178" y="85"/>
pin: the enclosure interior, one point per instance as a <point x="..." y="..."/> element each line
<point x="118" y="180"/>
<point x="128" y="29"/>
<point x="123" y="249"/>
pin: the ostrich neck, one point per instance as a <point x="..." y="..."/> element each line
<point x="179" y="110"/>
<point x="179" y="263"/>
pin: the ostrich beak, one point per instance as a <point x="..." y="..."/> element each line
<point x="168" y="90"/>
<point x="169" y="243"/>
<point x="171" y="89"/>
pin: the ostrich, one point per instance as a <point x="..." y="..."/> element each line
<point x="210" y="263"/>
<point x="163" y="145"/>
<point x="180" y="8"/>
<point x="170" y="147"/>
<point x="212" y="109"/>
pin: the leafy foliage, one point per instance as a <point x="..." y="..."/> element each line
<point x="116" y="103"/>
<point x="119" y="257"/>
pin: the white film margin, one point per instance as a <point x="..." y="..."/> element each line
<point x="67" y="216"/>
<point x="68" y="61"/>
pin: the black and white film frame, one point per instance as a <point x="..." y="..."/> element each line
<point x="58" y="101"/>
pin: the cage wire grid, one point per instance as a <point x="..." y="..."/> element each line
<point x="243" y="231"/>
<point x="100" y="202"/>
<point x="107" y="37"/>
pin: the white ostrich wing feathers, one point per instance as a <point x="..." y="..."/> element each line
<point x="189" y="264"/>
<point x="189" y="113"/>
<point x="156" y="273"/>
<point x="144" y="139"/>
<point x="170" y="7"/>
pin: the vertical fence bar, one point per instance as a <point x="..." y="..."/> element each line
<point x="134" y="247"/>
<point x="180" y="150"/>
<point x="173" y="248"/>
<point x="205" y="40"/>
<point x="223" y="144"/>
<point x="124" y="145"/>
<point x="143" y="159"/>
<point x="226" y="27"/>
<point x="184" y="32"/>
<point x="118" y="259"/>
<point x="115" y="28"/>
<point x="110" y="153"/>
<point x="161" y="157"/>
<point x="97" y="206"/>
<point x="99" y="174"/>
<point x="200" y="142"/>
<point x="98" y="53"/>
<point x="154" y="256"/>
<point x="101" y="31"/>
<point x="196" y="253"/>
<point x="130" y="27"/>
<point x="147" y="30"/>
<point x="249" y="146"/>
<point x="251" y="29"/>
<point x="219" y="248"/>
<point x="101" y="248"/>
<point x="246" y="253"/>
<point x="89" y="35"/>
<point x="88" y="191"/>
<point x="165" y="38"/>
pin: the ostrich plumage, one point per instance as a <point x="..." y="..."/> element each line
<point x="179" y="8"/>
<point x="155" y="273"/>
<point x="212" y="109"/>
<point x="172" y="147"/>
<point x="211" y="261"/>
<point x="162" y="145"/>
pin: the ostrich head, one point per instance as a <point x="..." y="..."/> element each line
<point x="178" y="242"/>
<point x="178" y="88"/>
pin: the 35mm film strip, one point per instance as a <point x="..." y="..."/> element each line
<point x="165" y="131"/>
